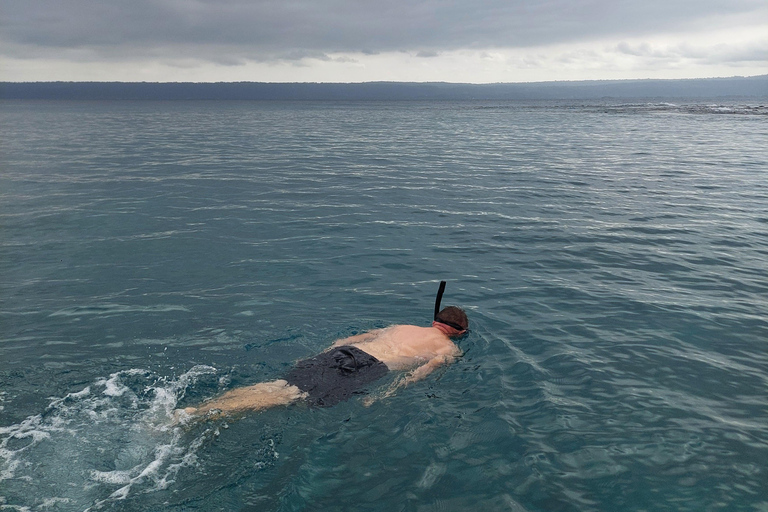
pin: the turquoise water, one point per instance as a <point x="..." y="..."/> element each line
<point x="612" y="259"/>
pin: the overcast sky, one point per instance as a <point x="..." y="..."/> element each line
<point x="474" y="41"/>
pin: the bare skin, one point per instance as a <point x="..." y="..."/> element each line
<point x="401" y="347"/>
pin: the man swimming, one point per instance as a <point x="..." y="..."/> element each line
<point x="348" y="365"/>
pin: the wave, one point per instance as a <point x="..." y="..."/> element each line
<point x="112" y="309"/>
<point x="697" y="108"/>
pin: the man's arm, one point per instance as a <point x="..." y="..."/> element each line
<point x="427" y="368"/>
<point x="415" y="375"/>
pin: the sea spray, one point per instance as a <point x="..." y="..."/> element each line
<point x="101" y="443"/>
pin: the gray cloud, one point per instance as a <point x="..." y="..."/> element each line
<point x="711" y="54"/>
<point x="228" y="31"/>
<point x="739" y="54"/>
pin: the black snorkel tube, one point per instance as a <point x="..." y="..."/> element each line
<point x="438" y="300"/>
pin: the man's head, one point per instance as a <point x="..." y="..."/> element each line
<point x="453" y="316"/>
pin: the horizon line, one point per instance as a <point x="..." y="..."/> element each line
<point x="442" y="82"/>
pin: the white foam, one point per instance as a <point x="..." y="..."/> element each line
<point x="111" y="477"/>
<point x="29" y="428"/>
<point x="113" y="387"/>
<point x="124" y="421"/>
<point x="13" y="507"/>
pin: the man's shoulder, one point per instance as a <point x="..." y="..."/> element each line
<point x="420" y="335"/>
<point x="408" y="328"/>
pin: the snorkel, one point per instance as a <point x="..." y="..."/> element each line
<point x="439" y="299"/>
<point x="449" y="328"/>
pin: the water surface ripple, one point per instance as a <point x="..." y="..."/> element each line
<point x="612" y="259"/>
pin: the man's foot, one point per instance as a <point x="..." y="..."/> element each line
<point x="183" y="415"/>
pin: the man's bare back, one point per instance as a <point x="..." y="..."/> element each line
<point x="402" y="347"/>
<point x="395" y="348"/>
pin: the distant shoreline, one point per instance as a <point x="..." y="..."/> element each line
<point x="754" y="87"/>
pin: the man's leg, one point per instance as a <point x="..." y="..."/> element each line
<point x="258" y="396"/>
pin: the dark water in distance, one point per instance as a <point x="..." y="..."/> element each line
<point x="613" y="260"/>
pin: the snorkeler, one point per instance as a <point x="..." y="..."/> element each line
<point x="348" y="365"/>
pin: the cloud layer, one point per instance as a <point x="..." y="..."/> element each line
<point x="239" y="32"/>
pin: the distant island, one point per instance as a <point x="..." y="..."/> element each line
<point x="755" y="87"/>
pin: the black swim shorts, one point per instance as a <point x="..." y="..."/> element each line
<point x="336" y="375"/>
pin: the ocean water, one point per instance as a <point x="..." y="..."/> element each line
<point x="612" y="258"/>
